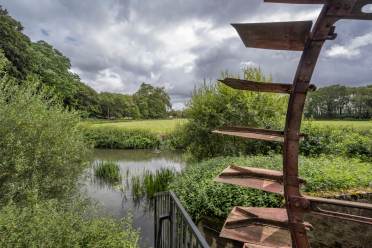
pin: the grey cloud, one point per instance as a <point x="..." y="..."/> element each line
<point x="114" y="45"/>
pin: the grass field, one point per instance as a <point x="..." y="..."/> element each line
<point x="166" y="126"/>
<point x="360" y="125"/>
<point x="157" y="126"/>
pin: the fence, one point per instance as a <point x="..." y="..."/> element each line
<point x="173" y="226"/>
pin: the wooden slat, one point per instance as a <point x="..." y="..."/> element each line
<point x="252" y="133"/>
<point x="256" y="178"/>
<point x="257" y="86"/>
<point x="275" y="35"/>
<point x="296" y="1"/>
<point x="256" y="227"/>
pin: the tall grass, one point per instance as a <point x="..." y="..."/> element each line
<point x="108" y="171"/>
<point x="149" y="183"/>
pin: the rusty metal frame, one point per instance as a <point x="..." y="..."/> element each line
<point x="323" y="30"/>
<point x="296" y="204"/>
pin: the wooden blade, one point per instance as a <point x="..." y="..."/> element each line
<point x="258" y="231"/>
<point x="262" y="179"/>
<point x="275" y="35"/>
<point x="252" y="133"/>
<point x="297" y="1"/>
<point x="256" y="86"/>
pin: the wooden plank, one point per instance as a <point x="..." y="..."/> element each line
<point x="297" y="1"/>
<point x="275" y="35"/>
<point x="241" y="84"/>
<point x="253" y="178"/>
<point x="256" y="230"/>
<point x="252" y="133"/>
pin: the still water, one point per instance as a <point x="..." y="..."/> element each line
<point x="118" y="201"/>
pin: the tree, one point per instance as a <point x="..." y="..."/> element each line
<point x="153" y="102"/>
<point x="337" y="101"/>
<point x="15" y="45"/>
<point x="217" y="105"/>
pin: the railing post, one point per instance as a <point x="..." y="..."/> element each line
<point x="181" y="230"/>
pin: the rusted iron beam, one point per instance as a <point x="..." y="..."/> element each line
<point x="275" y="35"/>
<point x="323" y="29"/>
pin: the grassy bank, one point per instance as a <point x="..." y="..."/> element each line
<point x="161" y="127"/>
<point x="143" y="134"/>
<point x="344" y="138"/>
<point x="324" y="175"/>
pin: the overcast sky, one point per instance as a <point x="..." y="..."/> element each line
<point x="114" y="45"/>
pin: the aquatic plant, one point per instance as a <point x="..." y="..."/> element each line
<point x="108" y="171"/>
<point x="152" y="182"/>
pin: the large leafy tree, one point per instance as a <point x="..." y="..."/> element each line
<point x="15" y="45"/>
<point x="153" y="102"/>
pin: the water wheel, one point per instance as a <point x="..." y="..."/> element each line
<point x="285" y="227"/>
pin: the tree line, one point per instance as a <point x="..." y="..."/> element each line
<point x="38" y="61"/>
<point x="338" y="102"/>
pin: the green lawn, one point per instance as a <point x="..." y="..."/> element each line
<point x="166" y="126"/>
<point x="361" y="125"/>
<point x="158" y="126"/>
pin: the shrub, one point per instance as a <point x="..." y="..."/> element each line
<point x="47" y="224"/>
<point x="201" y="196"/>
<point x="117" y="138"/>
<point x="41" y="151"/>
<point x="108" y="171"/>
<point x="216" y="105"/>
<point x="342" y="141"/>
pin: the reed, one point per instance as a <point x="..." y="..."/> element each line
<point x="108" y="171"/>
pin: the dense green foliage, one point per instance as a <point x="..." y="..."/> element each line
<point x="42" y="155"/>
<point x="47" y="224"/>
<point x="41" y="149"/>
<point x="115" y="105"/>
<point x="108" y="171"/>
<point x="153" y="102"/>
<point x="344" y="141"/>
<point x="214" y="106"/>
<point x="337" y="101"/>
<point x="42" y="62"/>
<point x="201" y="196"/>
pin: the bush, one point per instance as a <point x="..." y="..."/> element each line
<point x="118" y="138"/>
<point x="217" y="105"/>
<point x="47" y="224"/>
<point x="201" y="196"/>
<point x="342" y="141"/>
<point x="108" y="171"/>
<point x="41" y="151"/>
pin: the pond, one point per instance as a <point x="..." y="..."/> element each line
<point x="119" y="201"/>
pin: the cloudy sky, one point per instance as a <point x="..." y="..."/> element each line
<point x="114" y="45"/>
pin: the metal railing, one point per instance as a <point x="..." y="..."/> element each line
<point x="174" y="227"/>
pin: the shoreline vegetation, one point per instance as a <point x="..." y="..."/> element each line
<point x="337" y="137"/>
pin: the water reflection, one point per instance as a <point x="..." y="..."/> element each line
<point x="118" y="200"/>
